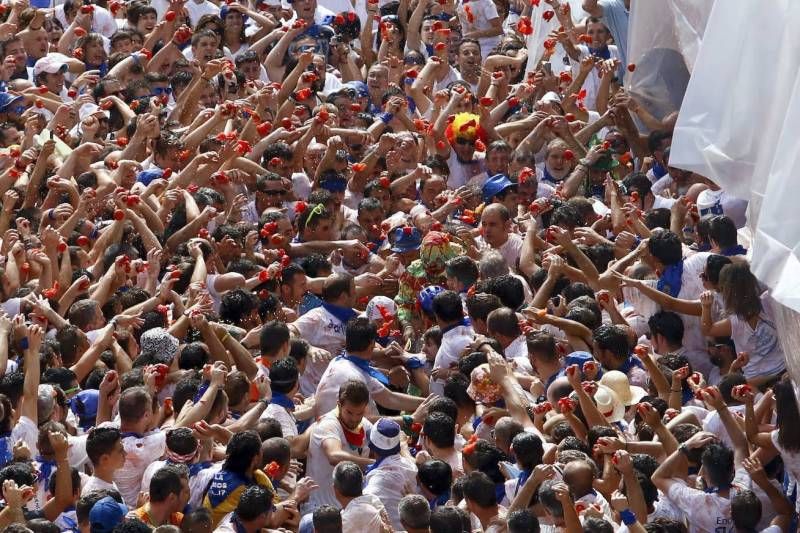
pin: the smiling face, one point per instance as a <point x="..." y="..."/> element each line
<point x="469" y="59"/>
<point x="598" y="32"/>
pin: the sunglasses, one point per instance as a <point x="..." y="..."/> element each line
<point x="274" y="192"/>
<point x="159" y="91"/>
<point x="465" y="142"/>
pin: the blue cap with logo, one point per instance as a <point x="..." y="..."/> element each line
<point x="495" y="185"/>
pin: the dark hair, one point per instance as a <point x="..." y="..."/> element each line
<point x="614" y="339"/>
<point x="236" y="305"/>
<point x="463" y="268"/>
<point x="503" y="322"/>
<point x="193" y="356"/>
<point x="436" y="476"/>
<point x="528" y="449"/>
<point x="167" y="480"/>
<point x="447" y="306"/>
<point x="714" y="265"/>
<point x="479" y="488"/>
<point x="348" y="479"/>
<point x="522" y="521"/>
<point x="255" y="501"/>
<point x="723" y="230"/>
<point x="486" y="457"/>
<point x="182" y="441"/>
<point x="327" y="519"/>
<point x="360" y="334"/>
<point x="283" y="375"/>
<point x="446" y="519"/>
<point x="241" y="451"/>
<point x="745" y="510"/>
<point x="471" y="361"/>
<point x="717" y="461"/>
<point x="509" y="289"/>
<point x="666" y="247"/>
<point x="481" y="304"/>
<point x="542" y="344"/>
<point x="134" y="403"/>
<point x="667" y="324"/>
<point x="440" y="429"/>
<point x="455" y="388"/>
<point x="354" y="392"/>
<point x="274" y="334"/>
<point x="740" y="290"/>
<point x="101" y="441"/>
<point x="547" y="497"/>
<point x="336" y="285"/>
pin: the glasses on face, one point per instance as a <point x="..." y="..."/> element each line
<point x="274" y="192"/>
<point x="159" y="91"/>
<point x="465" y="142"/>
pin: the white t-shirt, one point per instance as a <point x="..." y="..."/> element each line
<point x="322" y="330"/>
<point x="453" y="343"/>
<point x="714" y="424"/>
<point x="140" y="452"/>
<point x="363" y="515"/>
<point x="462" y="173"/>
<point x="197" y="483"/>
<point x="284" y="417"/>
<point x="691" y="288"/>
<point x="766" y="354"/>
<point x="483" y="11"/>
<point x="319" y="468"/>
<point x="102" y="20"/>
<point x="95" y="483"/>
<point x="510" y="250"/>
<point x="394" y="478"/>
<point x="339" y="372"/>
<point x="707" y="512"/>
<point x="592" y="83"/>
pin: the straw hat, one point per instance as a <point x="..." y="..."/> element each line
<point x="618" y="382"/>
<point x="609" y="404"/>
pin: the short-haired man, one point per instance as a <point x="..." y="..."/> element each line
<point x="360" y="512"/>
<point x="168" y="496"/>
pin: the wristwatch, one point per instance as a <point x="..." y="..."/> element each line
<point x="684" y="449"/>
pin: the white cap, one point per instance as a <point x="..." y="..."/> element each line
<point x="87" y="110"/>
<point x="51" y="63"/>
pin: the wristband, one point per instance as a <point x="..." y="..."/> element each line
<point x="684" y="449"/>
<point x="407" y="421"/>
<point x="628" y="517"/>
<point x="136" y="60"/>
<point x="385" y="117"/>
<point x="23" y="343"/>
<point x="50" y="214"/>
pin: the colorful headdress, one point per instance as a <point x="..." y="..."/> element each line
<point x="465" y="126"/>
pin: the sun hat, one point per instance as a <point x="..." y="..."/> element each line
<point x="618" y="382"/>
<point x="609" y="404"/>
<point x="481" y="387"/>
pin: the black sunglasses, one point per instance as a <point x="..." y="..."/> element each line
<point x="276" y="192"/>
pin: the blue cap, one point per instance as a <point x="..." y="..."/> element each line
<point x="359" y="87"/>
<point x="84" y="405"/>
<point x="334" y="183"/>
<point x="146" y="176"/>
<point x="425" y="297"/>
<point x="406" y="240"/>
<point x="106" y="514"/>
<point x="495" y="185"/>
<point x="8" y="101"/>
<point x="384" y="437"/>
<point x="579" y="358"/>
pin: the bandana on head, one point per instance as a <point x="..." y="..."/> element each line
<point x="159" y="341"/>
<point x="435" y="251"/>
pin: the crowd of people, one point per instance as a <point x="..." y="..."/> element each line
<point x="368" y="267"/>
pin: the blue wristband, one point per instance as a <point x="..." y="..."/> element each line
<point x="24" y="343"/>
<point x="628" y="517"/>
<point x="385" y="117"/>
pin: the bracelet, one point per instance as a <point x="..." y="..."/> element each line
<point x="628" y="517"/>
<point x="407" y="421"/>
<point x="385" y="117"/>
<point x="50" y="214"/>
<point x="684" y="449"/>
<point x="225" y="338"/>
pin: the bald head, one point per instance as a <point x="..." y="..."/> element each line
<point x="496" y="210"/>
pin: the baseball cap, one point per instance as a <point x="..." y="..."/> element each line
<point x="51" y="63"/>
<point x="87" y="110"/>
<point x="84" y="405"/>
<point x="360" y="88"/>
<point x="406" y="239"/>
<point x="106" y="514"/>
<point x="384" y="437"/>
<point x="9" y="101"/>
<point x="495" y="185"/>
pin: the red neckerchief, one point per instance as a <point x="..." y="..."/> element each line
<point x="354" y="438"/>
